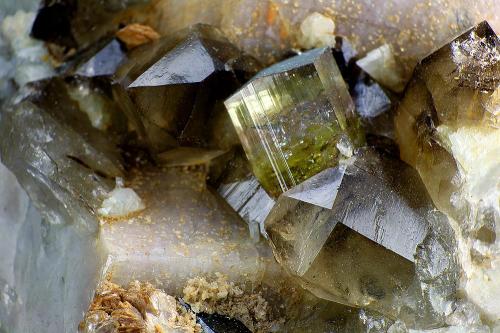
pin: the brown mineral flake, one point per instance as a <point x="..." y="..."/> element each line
<point x="134" y="35"/>
<point x="135" y="309"/>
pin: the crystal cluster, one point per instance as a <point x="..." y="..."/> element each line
<point x="177" y="85"/>
<point x="174" y="184"/>
<point x="350" y="233"/>
<point x="447" y="128"/>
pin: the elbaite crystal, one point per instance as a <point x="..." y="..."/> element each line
<point x="447" y="127"/>
<point x="295" y="119"/>
<point x="178" y="85"/>
<point x="350" y="233"/>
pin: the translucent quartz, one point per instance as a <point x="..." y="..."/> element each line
<point x="447" y="123"/>
<point x="68" y="167"/>
<point x="290" y="118"/>
<point x="177" y="84"/>
<point x="350" y="233"/>
<point x="248" y="198"/>
<point x="447" y="127"/>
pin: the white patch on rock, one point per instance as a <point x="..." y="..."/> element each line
<point x="121" y="201"/>
<point x="29" y="56"/>
<point x="317" y="31"/>
<point x="382" y="66"/>
<point x="477" y="153"/>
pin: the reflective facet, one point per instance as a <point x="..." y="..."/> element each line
<point x="177" y="85"/>
<point x="290" y="118"/>
<point x="350" y="233"/>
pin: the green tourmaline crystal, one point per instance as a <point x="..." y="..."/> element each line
<point x="295" y="119"/>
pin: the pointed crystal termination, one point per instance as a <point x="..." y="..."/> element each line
<point x="447" y="127"/>
<point x="105" y="62"/>
<point x="178" y="85"/>
<point x="447" y="124"/>
<point x="71" y="26"/>
<point x="292" y="117"/>
<point x="350" y="233"/>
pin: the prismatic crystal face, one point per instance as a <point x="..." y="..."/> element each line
<point x="249" y="166"/>
<point x="350" y="233"/>
<point x="178" y="84"/>
<point x="447" y="125"/>
<point x="295" y="119"/>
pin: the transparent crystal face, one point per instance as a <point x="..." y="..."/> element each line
<point x="290" y="117"/>
<point x="350" y="233"/>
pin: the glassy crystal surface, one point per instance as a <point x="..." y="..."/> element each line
<point x="350" y="233"/>
<point x="447" y="127"/>
<point x="290" y="118"/>
<point x="247" y="197"/>
<point x="178" y="84"/>
<point x="104" y="62"/>
<point x="374" y="106"/>
<point x="68" y="165"/>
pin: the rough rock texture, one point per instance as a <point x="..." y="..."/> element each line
<point x="139" y="308"/>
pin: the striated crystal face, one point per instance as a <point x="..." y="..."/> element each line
<point x="292" y="116"/>
<point x="350" y="233"/>
<point x="149" y="215"/>
<point x="447" y="127"/>
<point x="178" y="84"/>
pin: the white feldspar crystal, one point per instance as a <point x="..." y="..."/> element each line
<point x="121" y="201"/>
<point x="30" y="58"/>
<point x="381" y="65"/>
<point x="317" y="31"/>
<point x="94" y="105"/>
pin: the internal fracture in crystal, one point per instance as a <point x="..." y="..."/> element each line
<point x="290" y="118"/>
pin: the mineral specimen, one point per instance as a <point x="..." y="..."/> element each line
<point x="182" y="230"/>
<point x="292" y="117"/>
<point x="447" y="128"/>
<point x="178" y="84"/>
<point x="350" y="233"/>
<point x="28" y="55"/>
<point x="129" y="153"/>
<point x="134" y="35"/>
